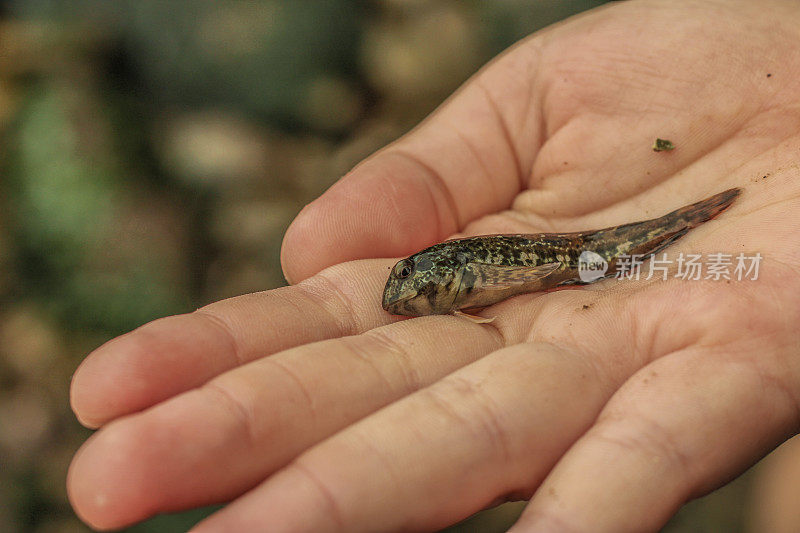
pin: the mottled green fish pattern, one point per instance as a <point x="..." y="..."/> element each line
<point x="481" y="271"/>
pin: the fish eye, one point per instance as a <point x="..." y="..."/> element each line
<point x="404" y="269"/>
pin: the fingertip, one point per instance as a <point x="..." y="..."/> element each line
<point x="101" y="485"/>
<point x="146" y="366"/>
<point x="100" y="388"/>
<point x="296" y="245"/>
<point x="78" y="403"/>
<point x="87" y="503"/>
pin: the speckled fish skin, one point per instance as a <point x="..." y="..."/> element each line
<point x="481" y="271"/>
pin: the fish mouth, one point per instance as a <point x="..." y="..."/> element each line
<point x="393" y="304"/>
<point x="397" y="305"/>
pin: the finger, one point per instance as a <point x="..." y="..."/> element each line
<point x="488" y="430"/>
<point x="468" y="159"/>
<point x="175" y="354"/>
<point x="774" y="491"/>
<point x="679" y="428"/>
<point x="270" y="410"/>
<point x="213" y="443"/>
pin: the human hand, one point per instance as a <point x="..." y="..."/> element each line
<point x="612" y="405"/>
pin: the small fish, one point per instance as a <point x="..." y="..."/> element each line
<point x="481" y="271"/>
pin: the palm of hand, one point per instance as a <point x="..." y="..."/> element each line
<point x="642" y="394"/>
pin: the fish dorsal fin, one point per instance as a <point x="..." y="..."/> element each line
<point x="502" y="277"/>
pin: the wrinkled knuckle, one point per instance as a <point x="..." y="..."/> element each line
<point x="401" y="358"/>
<point x="324" y="291"/>
<point x="221" y="325"/>
<point x="441" y="399"/>
<point x="305" y="391"/>
<point x="439" y="191"/>
<point x="239" y="409"/>
<point x="650" y="439"/>
<point x="325" y="495"/>
<point x="467" y="402"/>
<point x="361" y="351"/>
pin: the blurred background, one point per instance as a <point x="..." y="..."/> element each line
<point x="152" y="155"/>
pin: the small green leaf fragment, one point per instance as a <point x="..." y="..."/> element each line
<point x="663" y="145"/>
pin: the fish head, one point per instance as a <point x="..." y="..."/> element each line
<point x="426" y="283"/>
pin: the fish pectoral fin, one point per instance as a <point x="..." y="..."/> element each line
<point x="500" y="277"/>
<point x="473" y="318"/>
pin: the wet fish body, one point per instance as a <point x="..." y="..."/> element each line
<point x="481" y="271"/>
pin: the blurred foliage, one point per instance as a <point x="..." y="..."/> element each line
<point x="152" y="155"/>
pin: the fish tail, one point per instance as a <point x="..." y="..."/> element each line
<point x="693" y="215"/>
<point x="652" y="236"/>
<point x="680" y="221"/>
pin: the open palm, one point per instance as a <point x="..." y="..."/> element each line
<point x="314" y="410"/>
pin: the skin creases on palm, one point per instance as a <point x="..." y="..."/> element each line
<point x="313" y="410"/>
